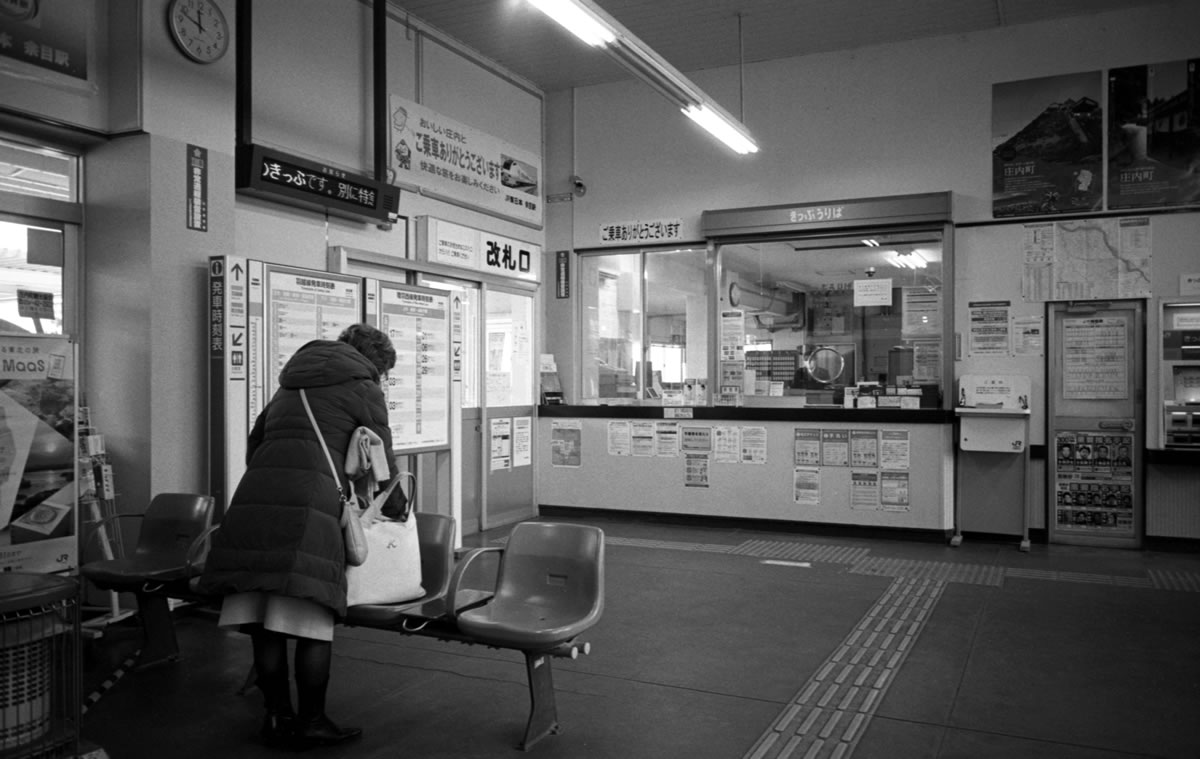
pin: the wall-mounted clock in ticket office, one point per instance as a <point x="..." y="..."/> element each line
<point x="199" y="29"/>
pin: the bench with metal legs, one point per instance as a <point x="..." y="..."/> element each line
<point x="549" y="590"/>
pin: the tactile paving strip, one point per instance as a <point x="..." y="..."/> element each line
<point x="945" y="571"/>
<point x="672" y="545"/>
<point x="787" y="550"/>
<point x="1165" y="579"/>
<point x="828" y="716"/>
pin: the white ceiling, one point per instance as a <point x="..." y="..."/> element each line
<point x="700" y="34"/>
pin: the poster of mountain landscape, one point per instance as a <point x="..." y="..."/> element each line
<point x="1047" y="145"/>
<point x="1154" y="135"/>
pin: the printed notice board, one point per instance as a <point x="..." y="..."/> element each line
<point x="417" y="319"/>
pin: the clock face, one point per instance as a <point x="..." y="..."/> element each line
<point x="199" y="28"/>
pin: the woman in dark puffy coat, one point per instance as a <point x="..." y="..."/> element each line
<point x="279" y="556"/>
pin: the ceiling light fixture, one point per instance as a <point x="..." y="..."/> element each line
<point x="576" y="21"/>
<point x="590" y="23"/>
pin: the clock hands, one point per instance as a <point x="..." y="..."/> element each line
<point x="198" y="20"/>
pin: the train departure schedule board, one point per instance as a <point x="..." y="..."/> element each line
<point x="299" y="305"/>
<point x="260" y="314"/>
<point x="417" y="319"/>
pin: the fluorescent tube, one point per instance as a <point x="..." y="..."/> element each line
<point x="576" y="20"/>
<point x="720" y="128"/>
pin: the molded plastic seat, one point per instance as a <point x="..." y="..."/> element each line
<point x="435" y="533"/>
<point x="549" y="587"/>
<point x="173" y="529"/>
<point x="171" y="547"/>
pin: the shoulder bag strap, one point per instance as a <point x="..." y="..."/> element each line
<point x="324" y="447"/>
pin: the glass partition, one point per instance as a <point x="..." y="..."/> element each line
<point x="645" y="323"/>
<point x="509" y="350"/>
<point x="611" y="297"/>
<point x="820" y="315"/>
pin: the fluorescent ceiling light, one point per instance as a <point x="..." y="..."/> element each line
<point x="590" y="23"/>
<point x="722" y="128"/>
<point x="576" y="21"/>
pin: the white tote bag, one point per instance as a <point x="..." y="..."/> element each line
<point x="392" y="572"/>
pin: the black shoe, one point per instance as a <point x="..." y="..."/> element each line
<point x="322" y="732"/>
<point x="279" y="730"/>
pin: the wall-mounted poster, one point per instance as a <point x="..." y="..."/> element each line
<point x="38" y="517"/>
<point x="1047" y="145"/>
<point x="1154" y="135"/>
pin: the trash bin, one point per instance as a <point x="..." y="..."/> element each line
<point x="39" y="666"/>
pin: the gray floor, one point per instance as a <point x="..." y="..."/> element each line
<point x="730" y="643"/>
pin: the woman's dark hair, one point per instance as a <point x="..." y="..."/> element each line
<point x="372" y="343"/>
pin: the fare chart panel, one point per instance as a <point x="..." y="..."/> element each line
<point x="417" y="319"/>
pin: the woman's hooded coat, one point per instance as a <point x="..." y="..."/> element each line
<point x="282" y="531"/>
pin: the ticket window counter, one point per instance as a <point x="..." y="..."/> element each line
<point x="819" y="337"/>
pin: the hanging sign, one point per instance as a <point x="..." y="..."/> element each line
<point x="463" y="164"/>
<point x="275" y="175"/>
<point x="442" y="242"/>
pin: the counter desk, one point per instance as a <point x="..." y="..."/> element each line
<point x="879" y="468"/>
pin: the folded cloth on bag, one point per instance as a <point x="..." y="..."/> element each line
<point x="365" y="456"/>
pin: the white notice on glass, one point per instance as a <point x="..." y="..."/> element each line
<point x="522" y="441"/>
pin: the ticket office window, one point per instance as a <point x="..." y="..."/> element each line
<point x="644" y="322"/>
<point x="822" y="314"/>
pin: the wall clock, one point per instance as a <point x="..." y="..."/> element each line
<point x="199" y="29"/>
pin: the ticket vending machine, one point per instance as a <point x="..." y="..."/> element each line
<point x="1176" y="402"/>
<point x="1095" y="416"/>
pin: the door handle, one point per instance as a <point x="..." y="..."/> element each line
<point x="1123" y="424"/>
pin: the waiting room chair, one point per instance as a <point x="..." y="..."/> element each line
<point x="435" y="533"/>
<point x="170" y="550"/>
<point x="549" y="590"/>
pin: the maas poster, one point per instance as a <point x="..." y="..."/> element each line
<point x="1154" y="135"/>
<point x="1047" y="145"/>
<point x="38" y="520"/>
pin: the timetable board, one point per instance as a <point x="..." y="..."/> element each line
<point x="260" y="314"/>
<point x="418" y="320"/>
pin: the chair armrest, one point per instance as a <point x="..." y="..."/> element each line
<point x="460" y="570"/>
<point x="104" y="524"/>
<point x="198" y="550"/>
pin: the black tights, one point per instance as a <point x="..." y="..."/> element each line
<point x="312" y="660"/>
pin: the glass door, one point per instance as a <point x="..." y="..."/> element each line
<point x="509" y="365"/>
